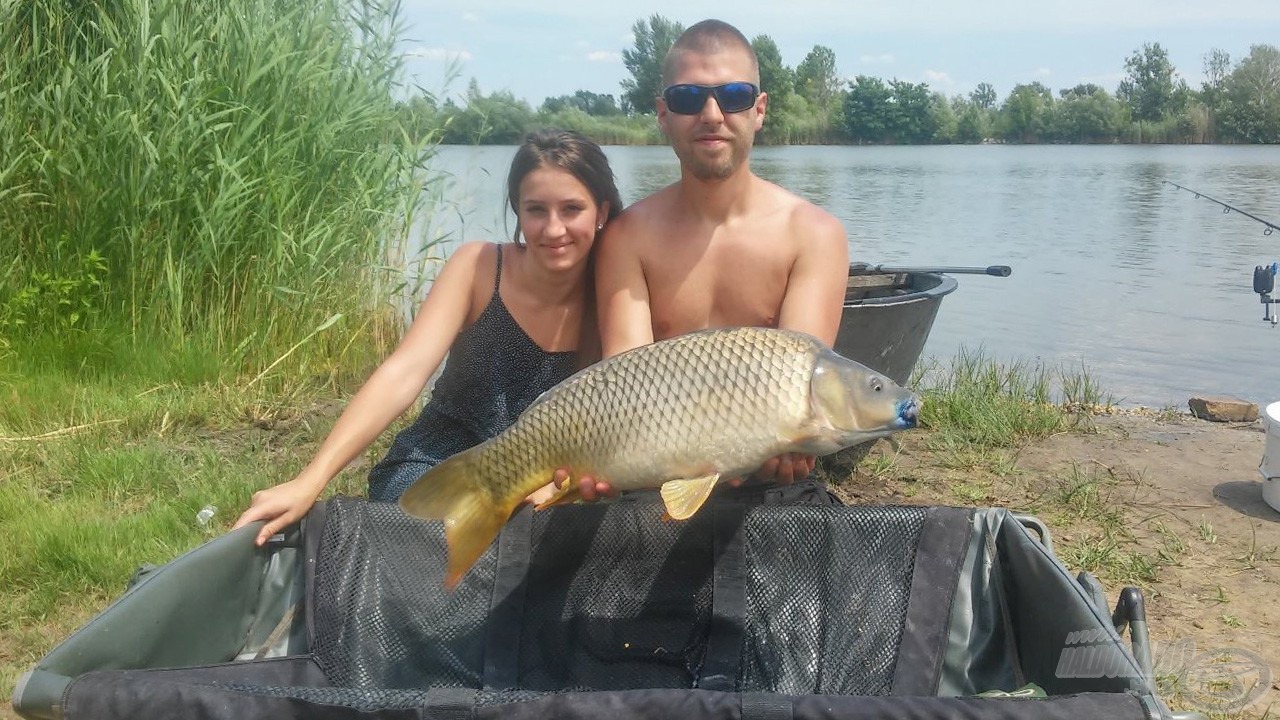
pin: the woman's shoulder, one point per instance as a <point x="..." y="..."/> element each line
<point x="474" y="252"/>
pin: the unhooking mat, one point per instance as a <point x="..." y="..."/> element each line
<point x="744" y="611"/>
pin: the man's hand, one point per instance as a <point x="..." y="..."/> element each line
<point x="781" y="470"/>
<point x="589" y="488"/>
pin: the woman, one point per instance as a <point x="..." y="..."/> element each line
<point x="514" y="318"/>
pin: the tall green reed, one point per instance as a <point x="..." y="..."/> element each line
<point x="237" y="168"/>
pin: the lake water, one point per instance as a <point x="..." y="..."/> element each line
<point x="1144" y="286"/>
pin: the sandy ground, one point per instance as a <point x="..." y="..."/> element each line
<point x="1190" y="496"/>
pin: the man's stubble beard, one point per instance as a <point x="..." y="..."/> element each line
<point x="707" y="169"/>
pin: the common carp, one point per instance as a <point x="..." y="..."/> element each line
<point x="679" y="414"/>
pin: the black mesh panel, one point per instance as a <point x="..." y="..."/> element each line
<point x="617" y="598"/>
<point x="827" y="593"/>
<point x="382" y="616"/>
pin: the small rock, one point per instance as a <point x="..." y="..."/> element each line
<point x="1221" y="408"/>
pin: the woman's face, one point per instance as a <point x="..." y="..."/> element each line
<point x="558" y="217"/>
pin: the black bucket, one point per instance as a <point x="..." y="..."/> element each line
<point x="886" y="320"/>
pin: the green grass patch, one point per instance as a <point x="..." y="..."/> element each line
<point x="222" y="175"/>
<point x="980" y="411"/>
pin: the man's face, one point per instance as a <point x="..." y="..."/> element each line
<point x="712" y="144"/>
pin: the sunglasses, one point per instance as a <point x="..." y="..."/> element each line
<point x="686" y="99"/>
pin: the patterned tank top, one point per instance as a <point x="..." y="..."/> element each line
<point x="493" y="372"/>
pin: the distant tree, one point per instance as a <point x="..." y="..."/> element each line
<point x="1149" y="89"/>
<point x="557" y="103"/>
<point x="1086" y="113"/>
<point x="588" y="102"/>
<point x="1217" y="68"/>
<point x="973" y="122"/>
<point x="816" y="77"/>
<point x="983" y="96"/>
<point x="498" y="119"/>
<point x="866" y="110"/>
<point x="1251" y="111"/>
<point x="1025" y="115"/>
<point x="644" y="59"/>
<point x="775" y="78"/>
<point x="1083" y="90"/>
<point x="943" y="119"/>
<point x="420" y="114"/>
<point x="910" y="118"/>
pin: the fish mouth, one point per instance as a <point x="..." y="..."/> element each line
<point x="908" y="413"/>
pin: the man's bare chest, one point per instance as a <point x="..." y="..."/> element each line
<point x="715" y="289"/>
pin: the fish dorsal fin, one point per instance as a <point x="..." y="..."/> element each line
<point x="684" y="497"/>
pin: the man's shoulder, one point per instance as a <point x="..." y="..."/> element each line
<point x="650" y="207"/>
<point x="643" y="218"/>
<point x="803" y="218"/>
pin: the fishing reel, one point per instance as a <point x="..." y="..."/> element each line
<point x="1264" y="283"/>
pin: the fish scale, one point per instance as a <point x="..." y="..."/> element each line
<point x="681" y="413"/>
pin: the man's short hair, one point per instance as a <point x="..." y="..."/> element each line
<point x="706" y="37"/>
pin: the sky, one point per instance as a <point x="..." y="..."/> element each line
<point x="554" y="47"/>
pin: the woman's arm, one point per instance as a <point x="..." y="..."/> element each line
<point x="388" y="392"/>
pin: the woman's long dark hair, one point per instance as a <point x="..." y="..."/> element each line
<point x="574" y="153"/>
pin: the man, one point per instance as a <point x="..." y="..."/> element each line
<point x="720" y="247"/>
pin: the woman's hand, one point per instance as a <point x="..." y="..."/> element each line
<point x="280" y="506"/>
<point x="589" y="488"/>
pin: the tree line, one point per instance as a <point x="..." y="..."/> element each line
<point x="812" y="104"/>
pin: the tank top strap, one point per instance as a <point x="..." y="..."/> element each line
<point x="497" y="276"/>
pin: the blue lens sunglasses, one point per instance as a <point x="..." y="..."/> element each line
<point x="688" y="99"/>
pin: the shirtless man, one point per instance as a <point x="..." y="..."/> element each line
<point x="720" y="247"/>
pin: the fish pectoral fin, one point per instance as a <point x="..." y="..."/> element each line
<point x="683" y="497"/>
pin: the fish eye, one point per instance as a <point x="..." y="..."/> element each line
<point x="876" y="385"/>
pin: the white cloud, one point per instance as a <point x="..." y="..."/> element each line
<point x="885" y="59"/>
<point x="1043" y="72"/>
<point x="437" y="53"/>
<point x="938" y="80"/>
<point x="470" y="17"/>
<point x="604" y="56"/>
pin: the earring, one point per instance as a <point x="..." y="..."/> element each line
<point x="600" y="226"/>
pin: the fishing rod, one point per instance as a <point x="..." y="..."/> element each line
<point x="1264" y="276"/>
<point x="992" y="270"/>
<point x="1227" y="208"/>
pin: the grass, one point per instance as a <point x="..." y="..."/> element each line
<point x="983" y="404"/>
<point x="229" y="174"/>
<point x="99" y="476"/>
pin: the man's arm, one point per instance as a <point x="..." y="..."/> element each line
<point x="816" y="287"/>
<point x="813" y="304"/>
<point x="622" y="296"/>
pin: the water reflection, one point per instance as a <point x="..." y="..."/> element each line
<point x="1147" y="286"/>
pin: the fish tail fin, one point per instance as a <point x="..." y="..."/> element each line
<point x="472" y="517"/>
